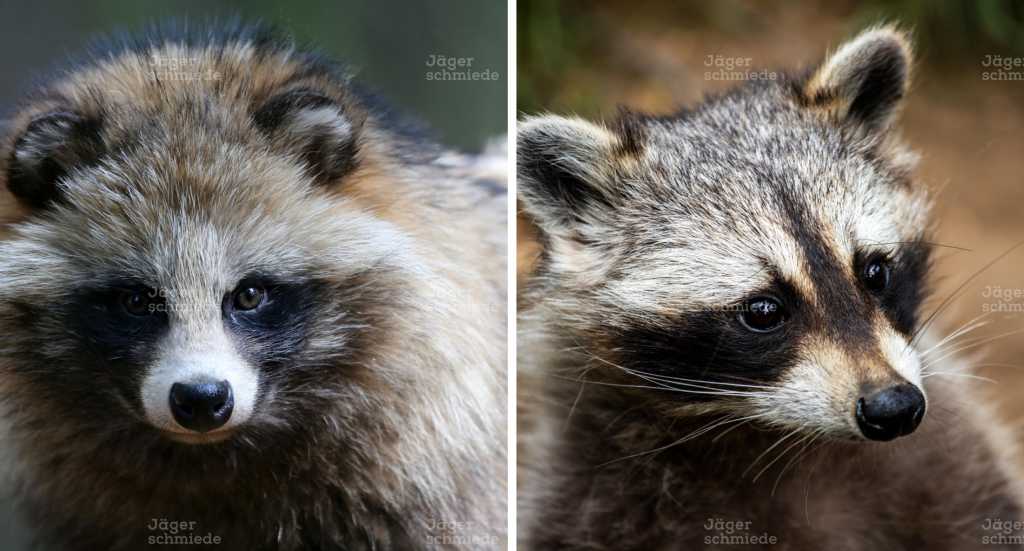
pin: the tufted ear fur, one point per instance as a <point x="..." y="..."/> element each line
<point x="568" y="172"/>
<point x="864" y="81"/>
<point x="50" y="146"/>
<point x="314" y="127"/>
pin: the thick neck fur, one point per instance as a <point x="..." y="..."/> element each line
<point x="299" y="489"/>
<point x="618" y="475"/>
<point x="431" y="447"/>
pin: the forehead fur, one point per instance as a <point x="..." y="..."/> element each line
<point x="202" y="219"/>
<point x="156" y="76"/>
<point x="188" y="184"/>
<point x="723" y="193"/>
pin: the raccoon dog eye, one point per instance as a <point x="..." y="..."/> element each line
<point x="762" y="315"/>
<point x="248" y="297"/>
<point x="138" y="302"/>
<point x="876" y="275"/>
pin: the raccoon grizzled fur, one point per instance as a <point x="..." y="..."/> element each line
<point x="725" y="323"/>
<point x="240" y="299"/>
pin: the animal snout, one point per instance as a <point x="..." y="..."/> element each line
<point x="890" y="412"/>
<point x="201" y="406"/>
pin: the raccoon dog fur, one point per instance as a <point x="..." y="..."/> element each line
<point x="725" y="330"/>
<point x="236" y="293"/>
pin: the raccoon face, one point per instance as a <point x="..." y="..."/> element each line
<point x="198" y="281"/>
<point x="762" y="255"/>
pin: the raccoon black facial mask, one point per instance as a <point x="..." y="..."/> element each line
<point x="768" y="237"/>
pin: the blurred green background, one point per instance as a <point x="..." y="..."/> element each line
<point x="386" y="42"/>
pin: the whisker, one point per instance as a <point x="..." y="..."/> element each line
<point x="972" y="344"/>
<point x="797" y="456"/>
<point x="712" y="392"/>
<point x="945" y="303"/>
<point x="958" y="374"/>
<point x="930" y="243"/>
<point x="695" y="434"/>
<point x="963" y="330"/>
<point x="765" y="452"/>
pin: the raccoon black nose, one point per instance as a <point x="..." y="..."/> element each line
<point x="891" y="412"/>
<point x="202" y="406"/>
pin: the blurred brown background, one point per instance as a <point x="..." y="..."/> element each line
<point x="578" y="57"/>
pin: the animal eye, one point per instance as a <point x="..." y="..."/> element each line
<point x="137" y="302"/>
<point x="762" y="314"/>
<point x="876" y="275"/>
<point x="249" y="297"/>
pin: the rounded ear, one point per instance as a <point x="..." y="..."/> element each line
<point x="314" y="127"/>
<point x="864" y="81"/>
<point x="49" y="147"/>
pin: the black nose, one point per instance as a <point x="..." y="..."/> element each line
<point x="891" y="412"/>
<point x="202" y="406"/>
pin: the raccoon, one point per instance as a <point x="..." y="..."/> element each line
<point x="242" y="301"/>
<point x="725" y="328"/>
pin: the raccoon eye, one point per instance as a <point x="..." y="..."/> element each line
<point x="762" y="314"/>
<point x="249" y="297"/>
<point x="137" y="302"/>
<point x="876" y="275"/>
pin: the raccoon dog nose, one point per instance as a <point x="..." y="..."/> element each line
<point x="201" y="406"/>
<point x="890" y="412"/>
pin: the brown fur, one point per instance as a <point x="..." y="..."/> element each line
<point x="404" y="429"/>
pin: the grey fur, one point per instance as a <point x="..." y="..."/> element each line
<point x="657" y="410"/>
<point x="380" y="416"/>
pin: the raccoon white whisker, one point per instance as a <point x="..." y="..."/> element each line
<point x="930" y="243"/>
<point x="700" y="381"/>
<point x="973" y="344"/>
<point x="960" y="289"/>
<point x="958" y="374"/>
<point x="710" y="392"/>
<point x="962" y="330"/>
<point x="782" y="439"/>
<point x="782" y="454"/>
<point x="998" y="364"/>
<point x="649" y="376"/>
<point x="806" y="451"/>
<point x="579" y="395"/>
<point x="695" y="434"/>
<point x="711" y="389"/>
<point x="806" y="442"/>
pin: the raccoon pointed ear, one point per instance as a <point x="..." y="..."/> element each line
<point x="565" y="168"/>
<point x="50" y="146"/>
<point x="864" y="81"/>
<point x="314" y="127"/>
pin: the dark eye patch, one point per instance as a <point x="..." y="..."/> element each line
<point x="902" y="298"/>
<point x="98" y="316"/>
<point x="109" y="348"/>
<point x="710" y="345"/>
<point x="276" y="330"/>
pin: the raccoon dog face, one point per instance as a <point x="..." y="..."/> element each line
<point x="188" y="269"/>
<point x="762" y="254"/>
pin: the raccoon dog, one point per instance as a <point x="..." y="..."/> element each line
<point x="725" y="324"/>
<point x="240" y="300"/>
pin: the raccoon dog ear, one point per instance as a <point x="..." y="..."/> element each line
<point x="864" y="81"/>
<point x="567" y="173"/>
<point x="50" y="146"/>
<point x="314" y="127"/>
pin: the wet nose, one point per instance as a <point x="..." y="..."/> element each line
<point x="201" y="406"/>
<point x="890" y="412"/>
